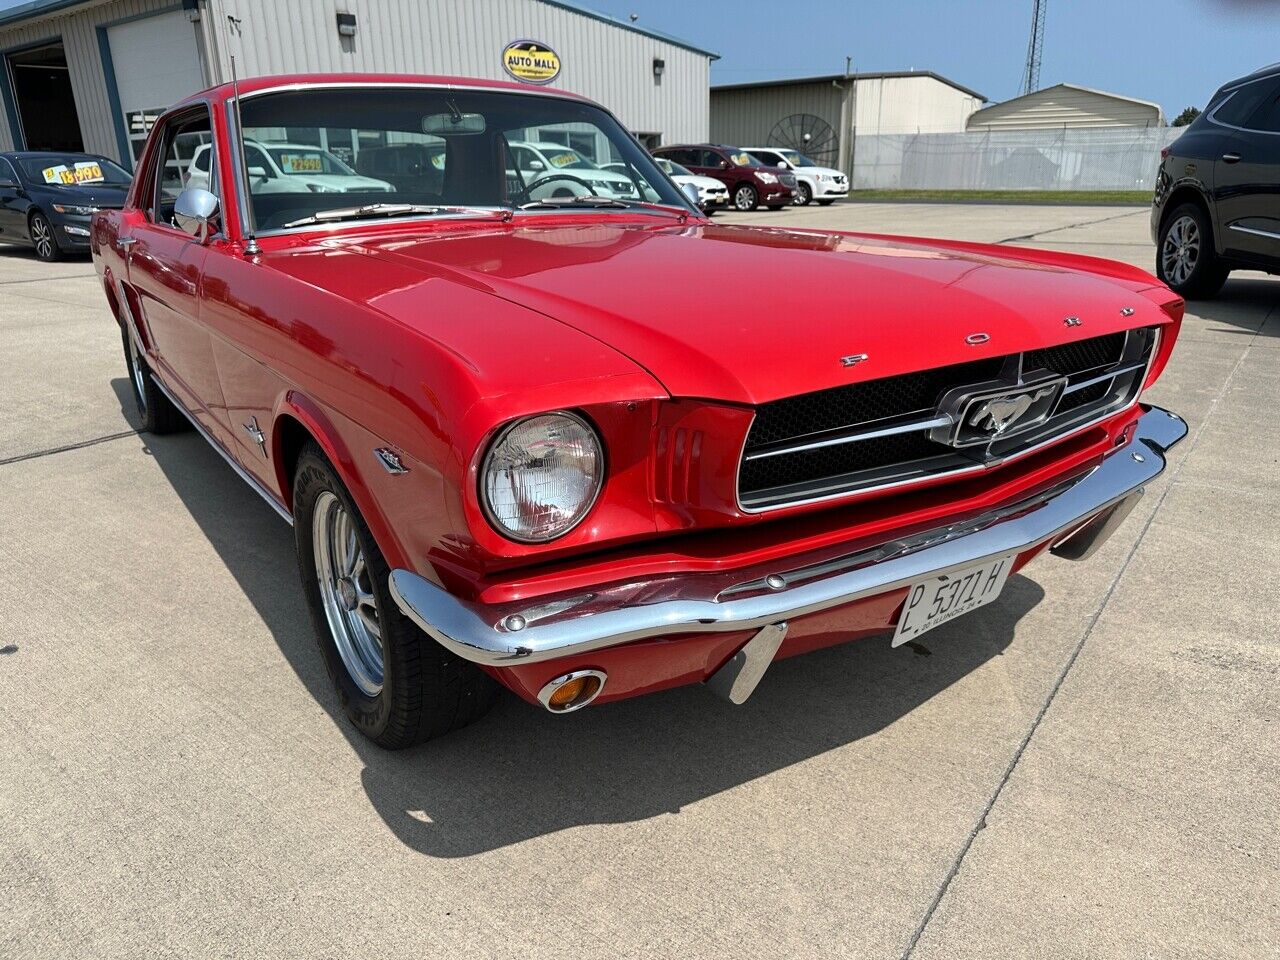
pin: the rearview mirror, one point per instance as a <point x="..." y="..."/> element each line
<point x="194" y="212"/>
<point x="258" y="173"/>
<point x="537" y="165"/>
<point x="690" y="193"/>
<point x="783" y="165"/>
<point x="453" y="124"/>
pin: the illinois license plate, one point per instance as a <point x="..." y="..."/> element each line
<point x="939" y="600"/>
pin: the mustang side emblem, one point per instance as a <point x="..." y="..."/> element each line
<point x="1071" y="321"/>
<point x="852" y="360"/>
<point x="998" y="414"/>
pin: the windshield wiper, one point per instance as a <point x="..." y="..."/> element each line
<point x="387" y="210"/>
<point x="592" y="201"/>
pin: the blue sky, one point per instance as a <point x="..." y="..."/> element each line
<point x="1175" y="52"/>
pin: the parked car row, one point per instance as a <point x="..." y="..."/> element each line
<point x="760" y="176"/>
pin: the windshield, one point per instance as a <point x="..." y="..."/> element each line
<point x="673" y="169"/>
<point x="73" y="169"/>
<point x="745" y="160"/>
<point x="299" y="161"/>
<point x="798" y="159"/>
<point x="412" y="148"/>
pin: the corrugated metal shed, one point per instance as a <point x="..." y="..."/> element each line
<point x="1067" y="105"/>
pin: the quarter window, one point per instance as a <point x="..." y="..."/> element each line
<point x="1267" y="116"/>
<point x="1239" y="108"/>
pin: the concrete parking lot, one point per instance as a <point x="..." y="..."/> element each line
<point x="1089" y="768"/>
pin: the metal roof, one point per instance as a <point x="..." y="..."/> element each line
<point x="1072" y="86"/>
<point x="39" y="8"/>
<point x="828" y="78"/>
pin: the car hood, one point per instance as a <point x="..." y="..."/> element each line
<point x="702" y="183"/>
<point x="340" y="182"/>
<point x="751" y="314"/>
<point x="89" y="195"/>
<point x="815" y="171"/>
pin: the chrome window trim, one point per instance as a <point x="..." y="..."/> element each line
<point x="1213" y="117"/>
<point x="962" y="471"/>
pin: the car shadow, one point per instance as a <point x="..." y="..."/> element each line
<point x="1241" y="306"/>
<point x="520" y="772"/>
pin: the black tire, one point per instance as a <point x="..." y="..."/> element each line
<point x="155" y="410"/>
<point x="43" y="237"/>
<point x="425" y="690"/>
<point x="745" y="198"/>
<point x="1185" y="257"/>
<point x="804" y="195"/>
<point x="825" y="203"/>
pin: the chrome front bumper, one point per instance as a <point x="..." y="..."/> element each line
<point x="1075" y="517"/>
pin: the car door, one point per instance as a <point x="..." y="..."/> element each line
<point x="164" y="269"/>
<point x="13" y="203"/>
<point x="1247" y="172"/>
<point x="711" y="164"/>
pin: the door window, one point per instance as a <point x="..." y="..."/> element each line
<point x="6" y="171"/>
<point x="180" y="141"/>
<point x="1267" y="116"/>
<point x="710" y="158"/>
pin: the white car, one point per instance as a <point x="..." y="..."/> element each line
<point x="290" y="168"/>
<point x="564" y="172"/>
<point x="712" y="194"/>
<point x="813" y="182"/>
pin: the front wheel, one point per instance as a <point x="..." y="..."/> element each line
<point x="1186" y="260"/>
<point x="804" y="194"/>
<point x="396" y="685"/>
<point x="745" y="198"/>
<point x="43" y="238"/>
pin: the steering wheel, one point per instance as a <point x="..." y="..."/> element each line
<point x="528" y="190"/>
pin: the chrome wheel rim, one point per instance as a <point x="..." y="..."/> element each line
<point x="743" y="199"/>
<point x="138" y="375"/>
<point x="346" y="591"/>
<point x="42" y="236"/>
<point x="802" y="195"/>
<point x="1181" y="250"/>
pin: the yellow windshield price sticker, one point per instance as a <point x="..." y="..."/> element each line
<point x="88" y="172"/>
<point x="58" y="174"/>
<point x="563" y="159"/>
<point x="301" y="163"/>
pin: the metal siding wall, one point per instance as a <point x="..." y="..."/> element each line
<point x="465" y="38"/>
<point x="88" y="83"/>
<point x="1056" y="108"/>
<point x="745" y="117"/>
<point x="912" y="105"/>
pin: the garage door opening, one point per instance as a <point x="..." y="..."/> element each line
<point x="42" y="91"/>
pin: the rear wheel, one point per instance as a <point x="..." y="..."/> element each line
<point x="1186" y="260"/>
<point x="396" y="685"/>
<point x="745" y="197"/>
<point x="43" y="238"/>
<point x="155" y="410"/>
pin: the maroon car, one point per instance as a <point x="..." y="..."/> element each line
<point x="750" y="182"/>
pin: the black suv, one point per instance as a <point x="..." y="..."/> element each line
<point x="1217" y="202"/>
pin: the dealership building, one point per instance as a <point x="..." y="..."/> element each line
<point x="93" y="75"/>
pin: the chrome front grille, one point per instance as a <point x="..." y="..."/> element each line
<point x="787" y="179"/>
<point x="903" y="429"/>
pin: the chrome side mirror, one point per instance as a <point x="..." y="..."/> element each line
<point x="195" y="211"/>
<point x="690" y="193"/>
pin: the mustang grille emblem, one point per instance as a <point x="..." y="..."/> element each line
<point x="998" y="414"/>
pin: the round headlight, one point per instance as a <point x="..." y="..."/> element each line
<point x="541" y="476"/>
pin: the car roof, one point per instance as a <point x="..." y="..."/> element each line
<point x="1260" y="74"/>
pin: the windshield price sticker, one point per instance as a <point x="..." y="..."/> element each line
<point x="563" y="159"/>
<point x="301" y="163"/>
<point x="83" y="172"/>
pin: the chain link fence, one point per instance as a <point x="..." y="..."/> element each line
<point x="1115" y="158"/>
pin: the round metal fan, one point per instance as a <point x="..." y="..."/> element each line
<point x="810" y="135"/>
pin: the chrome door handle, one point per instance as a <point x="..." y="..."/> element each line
<point x="1231" y="158"/>
<point x="123" y="243"/>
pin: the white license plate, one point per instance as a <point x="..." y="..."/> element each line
<point x="940" y="600"/>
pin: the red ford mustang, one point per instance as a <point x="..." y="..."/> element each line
<point x="522" y="440"/>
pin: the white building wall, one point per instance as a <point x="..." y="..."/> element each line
<point x="79" y="36"/>
<point x="911" y="105"/>
<point x="603" y="61"/>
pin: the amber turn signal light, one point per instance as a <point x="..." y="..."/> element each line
<point x="572" y="691"/>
